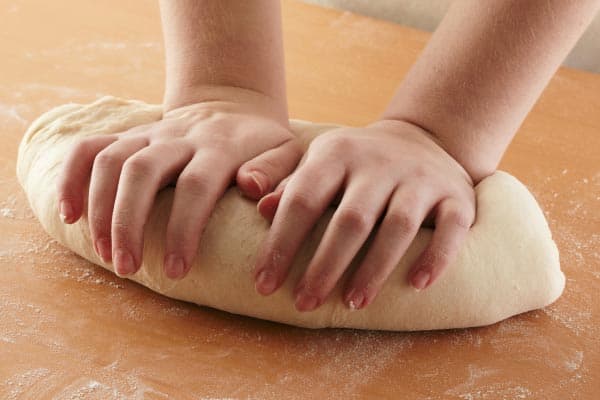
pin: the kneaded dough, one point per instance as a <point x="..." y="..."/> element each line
<point x="508" y="264"/>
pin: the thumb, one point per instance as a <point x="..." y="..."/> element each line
<point x="258" y="176"/>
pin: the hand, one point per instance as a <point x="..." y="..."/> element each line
<point x="391" y="169"/>
<point x="202" y="147"/>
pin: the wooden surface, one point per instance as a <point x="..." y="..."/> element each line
<point x="71" y="330"/>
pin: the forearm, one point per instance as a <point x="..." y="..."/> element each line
<point x="483" y="70"/>
<point x="211" y="46"/>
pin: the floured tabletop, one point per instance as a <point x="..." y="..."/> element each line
<point x="70" y="330"/>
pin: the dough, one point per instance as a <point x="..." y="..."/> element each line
<point x="508" y="264"/>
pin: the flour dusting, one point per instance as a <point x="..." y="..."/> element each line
<point x="19" y="384"/>
<point x="7" y="212"/>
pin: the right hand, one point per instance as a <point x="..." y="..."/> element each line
<point x="390" y="170"/>
<point x="201" y="148"/>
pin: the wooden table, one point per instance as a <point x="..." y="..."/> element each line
<point x="71" y="330"/>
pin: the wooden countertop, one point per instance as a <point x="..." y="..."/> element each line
<point x="71" y="330"/>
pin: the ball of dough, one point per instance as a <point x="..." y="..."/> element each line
<point x="507" y="265"/>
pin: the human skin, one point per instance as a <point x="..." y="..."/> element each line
<point x="468" y="92"/>
<point x="224" y="106"/>
<point x="226" y="118"/>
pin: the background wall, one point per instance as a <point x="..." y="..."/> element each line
<point x="427" y="14"/>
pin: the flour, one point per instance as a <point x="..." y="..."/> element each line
<point x="19" y="384"/>
<point x="353" y="357"/>
<point x="12" y="112"/>
<point x="575" y="363"/>
<point x="7" y="212"/>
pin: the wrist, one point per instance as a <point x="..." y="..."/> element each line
<point x="400" y="125"/>
<point x="407" y="128"/>
<point x="476" y="163"/>
<point x="175" y="98"/>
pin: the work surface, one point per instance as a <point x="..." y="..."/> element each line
<point x="72" y="330"/>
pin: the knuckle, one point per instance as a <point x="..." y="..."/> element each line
<point x="138" y="167"/>
<point x="121" y="220"/>
<point x="98" y="222"/>
<point x="194" y="182"/>
<point x="353" y="219"/>
<point x="458" y="218"/>
<point x="332" y="144"/>
<point x="106" y="159"/>
<point x="119" y="236"/>
<point x="402" y="220"/>
<point x="341" y="143"/>
<point x="121" y="231"/>
<point x="303" y="202"/>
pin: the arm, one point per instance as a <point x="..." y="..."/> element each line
<point x="213" y="48"/>
<point x="448" y="125"/>
<point x="483" y="70"/>
<point x="225" y="118"/>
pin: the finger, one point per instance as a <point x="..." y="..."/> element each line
<point x="347" y="231"/>
<point x="406" y="210"/>
<point x="142" y="176"/>
<point x="304" y="200"/>
<point x="258" y="176"/>
<point x="75" y="173"/>
<point x="267" y="206"/>
<point x="198" y="188"/>
<point x="452" y="222"/>
<point x="103" y="189"/>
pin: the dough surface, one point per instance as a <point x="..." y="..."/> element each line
<point x="508" y="264"/>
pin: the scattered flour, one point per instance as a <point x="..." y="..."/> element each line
<point x="7" y="212"/>
<point x="12" y="112"/>
<point x="8" y="207"/>
<point x="19" y="384"/>
<point x="575" y="363"/>
<point x="473" y="389"/>
<point x="85" y="389"/>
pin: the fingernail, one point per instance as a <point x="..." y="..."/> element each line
<point x="356" y="300"/>
<point x="66" y="211"/>
<point x="261" y="180"/>
<point x="174" y="266"/>
<point x="123" y="262"/>
<point x="421" y="279"/>
<point x="265" y="282"/>
<point x="103" y="249"/>
<point x="306" y="302"/>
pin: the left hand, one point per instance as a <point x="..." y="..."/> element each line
<point x="390" y="168"/>
<point x="199" y="148"/>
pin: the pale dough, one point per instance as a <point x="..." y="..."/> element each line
<point x="508" y="264"/>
